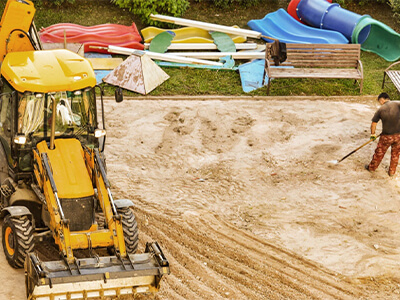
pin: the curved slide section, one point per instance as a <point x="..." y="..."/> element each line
<point x="374" y="36"/>
<point x="280" y="25"/>
<point x="89" y="36"/>
<point x="94" y="36"/>
<point x="382" y="39"/>
<point x="75" y="29"/>
<point x="187" y="35"/>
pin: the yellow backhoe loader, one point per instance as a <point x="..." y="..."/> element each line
<point x="53" y="175"/>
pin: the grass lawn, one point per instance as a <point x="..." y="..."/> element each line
<point x="201" y="82"/>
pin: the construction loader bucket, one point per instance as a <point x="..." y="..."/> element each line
<point x="99" y="277"/>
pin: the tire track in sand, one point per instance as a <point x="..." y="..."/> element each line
<point x="210" y="259"/>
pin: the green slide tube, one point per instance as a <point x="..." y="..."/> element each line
<point x="382" y="39"/>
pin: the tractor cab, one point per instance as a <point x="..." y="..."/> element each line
<point x="38" y="88"/>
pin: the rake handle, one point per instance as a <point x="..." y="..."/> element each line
<point x="355" y="150"/>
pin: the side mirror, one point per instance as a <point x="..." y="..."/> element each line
<point x="118" y="95"/>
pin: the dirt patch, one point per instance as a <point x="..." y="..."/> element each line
<point x="243" y="200"/>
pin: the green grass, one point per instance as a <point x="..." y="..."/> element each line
<point x="185" y="81"/>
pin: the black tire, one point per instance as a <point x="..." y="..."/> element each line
<point x="18" y="239"/>
<point x="130" y="228"/>
<point x="29" y="273"/>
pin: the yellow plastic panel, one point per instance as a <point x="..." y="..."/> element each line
<point x="69" y="169"/>
<point x="16" y="15"/>
<point x="47" y="71"/>
<point x="187" y="35"/>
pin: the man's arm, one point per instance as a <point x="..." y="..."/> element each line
<point x="373" y="128"/>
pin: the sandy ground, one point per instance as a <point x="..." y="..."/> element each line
<point x="242" y="198"/>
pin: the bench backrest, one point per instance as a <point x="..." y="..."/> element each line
<point x="320" y="55"/>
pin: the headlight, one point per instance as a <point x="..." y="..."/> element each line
<point x="99" y="133"/>
<point x="20" y="139"/>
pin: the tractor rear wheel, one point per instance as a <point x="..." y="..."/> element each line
<point x="18" y="239"/>
<point x="130" y="228"/>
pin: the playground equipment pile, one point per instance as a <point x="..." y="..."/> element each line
<point x="213" y="46"/>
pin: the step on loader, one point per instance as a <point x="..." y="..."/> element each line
<point x="53" y="175"/>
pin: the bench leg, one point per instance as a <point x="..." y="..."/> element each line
<point x="383" y="82"/>
<point x="269" y="85"/>
<point x="263" y="81"/>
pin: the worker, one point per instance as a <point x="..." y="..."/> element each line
<point x="389" y="113"/>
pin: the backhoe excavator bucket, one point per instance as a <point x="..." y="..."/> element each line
<point x="96" y="278"/>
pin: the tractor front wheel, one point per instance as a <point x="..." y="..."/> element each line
<point x="18" y="240"/>
<point x="130" y="228"/>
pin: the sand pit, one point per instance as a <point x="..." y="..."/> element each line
<point x="262" y="166"/>
<point x="243" y="200"/>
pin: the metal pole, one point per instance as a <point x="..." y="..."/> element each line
<point x="53" y="123"/>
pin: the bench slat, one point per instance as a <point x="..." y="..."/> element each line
<point x="319" y="55"/>
<point x="314" y="73"/>
<point x="336" y="51"/>
<point x="322" y="63"/>
<point x="394" y="77"/>
<point x="322" y="46"/>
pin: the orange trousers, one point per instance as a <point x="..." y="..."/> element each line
<point x="386" y="141"/>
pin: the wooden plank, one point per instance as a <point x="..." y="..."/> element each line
<point x="329" y="46"/>
<point x="323" y="54"/>
<point x="322" y="64"/>
<point x="322" y="59"/>
<point x="314" y="73"/>
<point x="334" y="50"/>
<point x="105" y="63"/>
<point x="207" y="26"/>
<point x="324" y="47"/>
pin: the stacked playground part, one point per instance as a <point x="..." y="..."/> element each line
<point x="280" y="25"/>
<point x="374" y="36"/>
<point x="93" y="36"/>
<point x="187" y="35"/>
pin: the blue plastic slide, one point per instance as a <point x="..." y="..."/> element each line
<point x="374" y="36"/>
<point x="280" y="25"/>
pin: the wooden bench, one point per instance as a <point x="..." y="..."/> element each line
<point x="394" y="76"/>
<point x="316" y="61"/>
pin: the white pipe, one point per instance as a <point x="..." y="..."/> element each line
<point x="160" y="56"/>
<point x="207" y="26"/>
<point x="217" y="55"/>
<point x="205" y="46"/>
